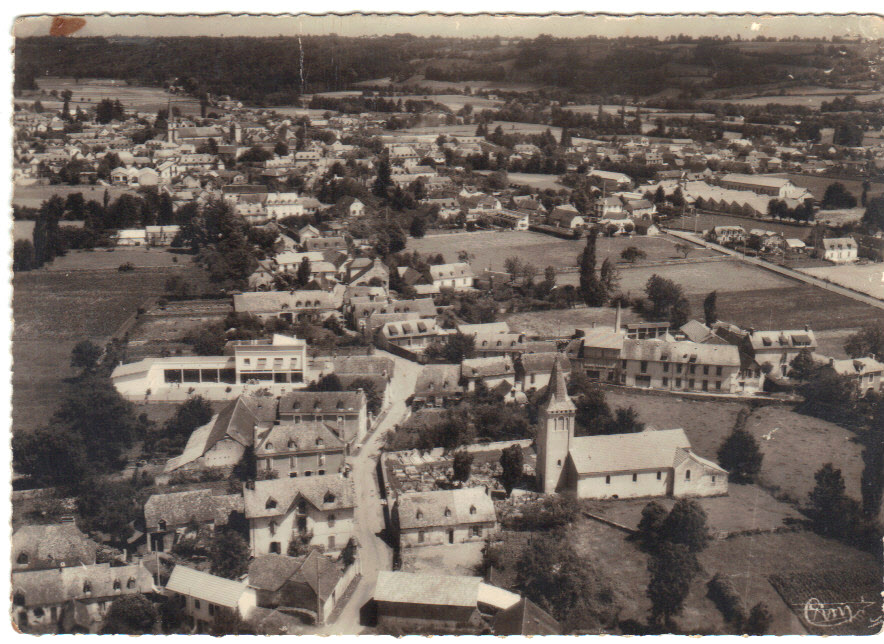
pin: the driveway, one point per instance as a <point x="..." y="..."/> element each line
<point x="374" y="553"/>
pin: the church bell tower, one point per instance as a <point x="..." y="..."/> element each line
<point x="555" y="432"/>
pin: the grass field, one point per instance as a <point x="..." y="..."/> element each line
<point x="491" y="249"/>
<point x="88" y="92"/>
<point x="52" y="311"/>
<point x="112" y="258"/>
<point x="817" y="185"/>
<point x="868" y="278"/>
<point x="33" y="196"/>
<point x="24" y="228"/>
<point x="535" y="181"/>
<point x="705" y="221"/>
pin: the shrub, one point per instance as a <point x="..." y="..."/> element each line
<point x="128" y="266"/>
<point x="725" y="597"/>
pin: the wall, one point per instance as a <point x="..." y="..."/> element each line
<point x="657" y="374"/>
<point x="439" y="535"/>
<point x="260" y="537"/>
<point x="622" y="486"/>
<point x="701" y="483"/>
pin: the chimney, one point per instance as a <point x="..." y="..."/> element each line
<point x="807" y="328"/>
<point x="831" y="362"/>
<point x="751" y="331"/>
<point x="618" y="318"/>
<point x="250" y="485"/>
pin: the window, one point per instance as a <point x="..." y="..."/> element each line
<point x="212" y="610"/>
<point x="271" y="503"/>
<point x="87" y="587"/>
<point x="678" y="368"/>
<point x="665" y="382"/>
<point x="678" y="383"/>
<point x="665" y="367"/>
<point x="687" y="475"/>
<point x="329" y="497"/>
<point x="321" y="472"/>
<point x="472" y="509"/>
<point x="419" y="514"/>
<point x="659" y="476"/>
<point x="693" y="368"/>
<point x="717" y="371"/>
<point x="477" y="531"/>
<point x="331" y="521"/>
<point x="705" y="369"/>
<point x="319" y="442"/>
<point x="420" y="537"/>
<point x="644" y="366"/>
<point x="23" y="558"/>
<point x="131" y="583"/>
<point x="447" y="512"/>
<point x="691" y="383"/>
<point x="713" y="478"/>
<point x="608" y="480"/>
<point x="196" y="604"/>
<point x="272" y="527"/>
<point x="331" y="542"/>
<point x="275" y="549"/>
<point x="117" y="585"/>
<point x="293" y="475"/>
<point x="269" y="447"/>
<point x="718" y="384"/>
<point x="308" y="473"/>
<point x="634" y="477"/>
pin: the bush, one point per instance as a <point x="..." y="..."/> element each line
<point x="128" y="266"/>
<point x="725" y="597"/>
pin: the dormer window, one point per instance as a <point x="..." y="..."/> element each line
<point x="319" y="442"/>
<point x="271" y="504"/>
<point x="23" y="558"/>
<point x="117" y="585"/>
<point x="472" y="509"/>
<point x="162" y="525"/>
<point x="87" y="587"/>
<point x="328" y="498"/>
<point x="131" y="583"/>
<point x="447" y="512"/>
<point x="292" y="444"/>
<point x="419" y="514"/>
<point x="340" y="405"/>
<point x="269" y="447"/>
<point x="317" y="406"/>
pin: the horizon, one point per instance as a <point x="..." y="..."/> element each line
<point x="744" y="26"/>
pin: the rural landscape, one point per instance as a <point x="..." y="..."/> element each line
<point x="562" y="333"/>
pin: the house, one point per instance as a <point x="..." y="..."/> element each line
<point x="525" y="618"/>
<point x="458" y="276"/>
<point x="566" y="216"/>
<point x="324" y="243"/>
<point x="839" y="250"/>
<point x="596" y="353"/>
<point x="161" y="235"/>
<point x="290" y="306"/>
<point x="222" y="441"/>
<point x="413" y="335"/>
<point x="778" y="348"/>
<point x="204" y="597"/>
<point x="611" y="181"/>
<point x="511" y="219"/>
<point x="427" y="603"/>
<point x="728" y="235"/>
<point x="278" y="364"/>
<point x="311" y="584"/>
<point x="533" y="370"/>
<point x="866" y="373"/>
<point x="437" y="386"/>
<point x="777" y="187"/>
<point x="38" y="547"/>
<point x="444" y="517"/>
<point x="363" y="271"/>
<point x="301" y="449"/>
<point x="492" y="372"/>
<point x="609" y="208"/>
<point x="130" y="237"/>
<point x="318" y="510"/>
<point x="680" y="365"/>
<point x="74" y="598"/>
<point x="345" y="413"/>
<point x="168" y="517"/>
<point x="648" y="463"/>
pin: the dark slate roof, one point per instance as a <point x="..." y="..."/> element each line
<point x="60" y="585"/>
<point x="326" y="492"/>
<point x="321" y="402"/>
<point x="525" y="618"/>
<point x="239" y="418"/>
<point x="178" y="508"/>
<point x="52" y="546"/>
<point x="270" y="572"/>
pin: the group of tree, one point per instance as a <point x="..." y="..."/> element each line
<point x="667" y="300"/>
<point x="836" y="197"/>
<point x="803" y="211"/>
<point x="596" y="287"/>
<point x="594" y="416"/>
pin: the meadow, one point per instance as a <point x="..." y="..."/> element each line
<point x="34" y="195"/>
<point x="88" y="92"/>
<point x="868" y="278"/>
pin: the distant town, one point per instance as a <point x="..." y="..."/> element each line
<point x="433" y="354"/>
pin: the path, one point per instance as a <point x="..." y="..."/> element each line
<point x="788" y="272"/>
<point x="374" y="553"/>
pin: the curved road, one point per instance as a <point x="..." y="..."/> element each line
<point x="374" y="554"/>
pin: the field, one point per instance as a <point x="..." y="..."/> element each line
<point x="705" y="221"/>
<point x="834" y="602"/>
<point x="817" y="184"/>
<point x="112" y="258"/>
<point x="88" y="92"/>
<point x="812" y="100"/>
<point x="24" y="228"/>
<point x="33" y="196"/>
<point x="868" y="278"/>
<point x="491" y="248"/>
<point x="470" y="130"/>
<point x="52" y="311"/>
<point x="795" y="446"/>
<point x="535" y="181"/>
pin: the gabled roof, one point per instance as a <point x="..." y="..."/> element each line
<point x="299" y="437"/>
<point x="202" y="585"/>
<point x="321" y="402"/>
<point x="543" y="362"/>
<point x="434" y="590"/>
<point x="557" y="398"/>
<point x="681" y="351"/>
<point x="449" y="271"/>
<point x="326" y="492"/>
<point x="271" y="572"/>
<point x="178" y="508"/>
<point x="525" y="618"/>
<point x="239" y="419"/>
<point x="445" y="508"/>
<point x="647" y="450"/>
<point x="789" y="339"/>
<point x="487" y="367"/>
<point x="51" y="546"/>
<point x="438" y="379"/>
<point x="60" y="585"/>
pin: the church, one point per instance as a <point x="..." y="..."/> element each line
<point x="648" y="463"/>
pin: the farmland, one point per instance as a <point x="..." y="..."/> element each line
<point x="868" y="278"/>
<point x="492" y="248"/>
<point x="705" y="221"/>
<point x="535" y="181"/>
<point x="817" y="184"/>
<point x="24" y="228"/>
<point x="34" y="195"/>
<point x="88" y="92"/>
<point x="52" y="311"/>
<point x="112" y="258"/>
<point x="812" y="100"/>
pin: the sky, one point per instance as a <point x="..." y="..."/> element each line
<point x="746" y="26"/>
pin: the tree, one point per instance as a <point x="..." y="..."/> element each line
<point x="303" y="275"/>
<point x="609" y="277"/>
<point x="512" y="462"/>
<point x="673" y="567"/>
<point x="710" y="308"/>
<point x="873" y="217"/>
<point x="625" y="421"/>
<point x="740" y="455"/>
<point x="85" y="356"/>
<point x="684" y="249"/>
<point x="632" y="254"/>
<point x="868" y="341"/>
<point x="23" y="256"/>
<point x="329" y="382"/>
<point x="650" y="527"/>
<point x="872" y="481"/>
<point x="686" y="525"/>
<point x="131" y="615"/>
<point x="666" y="296"/>
<point x="195" y="412"/>
<point x="759" y="620"/>
<point x="176" y="286"/>
<point x="565" y="140"/>
<point x="462" y="465"/>
<point x="383" y="180"/>
<point x="50" y="456"/>
<point x="247" y="467"/>
<point x="827" y="501"/>
<point x="803" y="366"/>
<point x="836" y="196"/>
<point x="458" y="347"/>
<point x="281" y="149"/>
<point x="591" y="288"/>
<point x="418" y="227"/>
<point x="229" y="555"/>
<point x="229" y="622"/>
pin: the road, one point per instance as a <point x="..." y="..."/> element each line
<point x="374" y="554"/>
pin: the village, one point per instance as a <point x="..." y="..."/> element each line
<point x="427" y="370"/>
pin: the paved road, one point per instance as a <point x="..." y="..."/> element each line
<point x="782" y="270"/>
<point x="374" y="553"/>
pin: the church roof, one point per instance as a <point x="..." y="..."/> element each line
<point x="557" y="391"/>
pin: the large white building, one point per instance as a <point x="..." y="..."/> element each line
<point x="648" y="463"/>
<point x="279" y="364"/>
